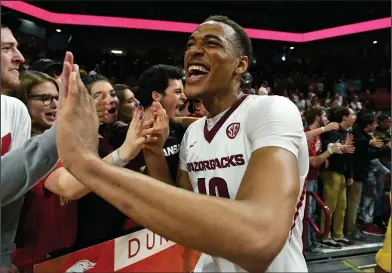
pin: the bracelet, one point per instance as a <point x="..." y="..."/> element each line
<point x="117" y="160"/>
<point x="329" y="148"/>
<point x="322" y="129"/>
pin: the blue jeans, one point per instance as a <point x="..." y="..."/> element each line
<point x="379" y="206"/>
<point x="311" y="186"/>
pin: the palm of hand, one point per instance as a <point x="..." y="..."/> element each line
<point x="160" y="128"/>
<point x="137" y="132"/>
<point x="161" y="124"/>
<point x="77" y="123"/>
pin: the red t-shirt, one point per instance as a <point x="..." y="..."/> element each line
<point x="48" y="222"/>
<point x="315" y="149"/>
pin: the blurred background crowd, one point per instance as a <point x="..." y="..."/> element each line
<point x="341" y="86"/>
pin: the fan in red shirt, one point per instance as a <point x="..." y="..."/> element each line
<point x="47" y="223"/>
<point x="317" y="120"/>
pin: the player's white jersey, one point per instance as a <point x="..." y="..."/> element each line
<point x="215" y="152"/>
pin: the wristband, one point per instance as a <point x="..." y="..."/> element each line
<point x="322" y="129"/>
<point x="329" y="148"/>
<point x="117" y="160"/>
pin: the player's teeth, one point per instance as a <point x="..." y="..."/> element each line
<point x="197" y="67"/>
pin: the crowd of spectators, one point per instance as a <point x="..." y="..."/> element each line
<point x="348" y="138"/>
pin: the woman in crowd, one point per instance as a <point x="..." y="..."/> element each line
<point x="93" y="228"/>
<point x="127" y="102"/>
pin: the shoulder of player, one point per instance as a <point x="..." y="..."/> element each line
<point x="270" y="105"/>
<point x="196" y="125"/>
<point x="267" y="101"/>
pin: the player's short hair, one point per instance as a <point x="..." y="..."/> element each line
<point x="337" y="113"/>
<point x="156" y="78"/>
<point x="92" y="78"/>
<point x="312" y="113"/>
<point x="242" y="42"/>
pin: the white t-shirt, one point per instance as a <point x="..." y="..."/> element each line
<point x="356" y="106"/>
<point x="15" y="124"/>
<point x="301" y="103"/>
<point x="216" y="160"/>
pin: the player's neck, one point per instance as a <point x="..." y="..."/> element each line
<point x="218" y="103"/>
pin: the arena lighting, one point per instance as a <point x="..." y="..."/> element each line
<point x="58" y="30"/>
<point x="117" y="52"/>
<point x="374" y="42"/>
<point x="291" y="47"/>
<point x="107" y="21"/>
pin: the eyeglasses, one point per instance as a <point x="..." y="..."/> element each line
<point x="45" y="98"/>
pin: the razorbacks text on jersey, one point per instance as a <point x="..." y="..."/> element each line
<point x="215" y="153"/>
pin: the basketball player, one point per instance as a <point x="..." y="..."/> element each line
<point x="248" y="159"/>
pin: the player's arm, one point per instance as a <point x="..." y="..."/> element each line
<point x="157" y="165"/>
<point x="245" y="231"/>
<point x="62" y="183"/>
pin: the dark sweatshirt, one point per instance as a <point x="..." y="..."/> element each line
<point x="364" y="153"/>
<point x="340" y="163"/>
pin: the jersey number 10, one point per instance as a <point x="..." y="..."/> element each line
<point x="216" y="187"/>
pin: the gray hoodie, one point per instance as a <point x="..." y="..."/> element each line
<point x="22" y="169"/>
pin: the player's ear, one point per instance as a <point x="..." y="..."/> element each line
<point x="242" y="64"/>
<point x="156" y="96"/>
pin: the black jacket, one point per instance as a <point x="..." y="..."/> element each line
<point x="364" y="153"/>
<point x="340" y="163"/>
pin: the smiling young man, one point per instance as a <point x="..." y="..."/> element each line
<point x="163" y="84"/>
<point x="248" y="158"/>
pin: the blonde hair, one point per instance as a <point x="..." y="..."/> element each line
<point x="28" y="80"/>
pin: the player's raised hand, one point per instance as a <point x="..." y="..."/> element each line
<point x="139" y="134"/>
<point x="77" y="123"/>
<point x="160" y="126"/>
<point x="102" y="107"/>
<point x="67" y="69"/>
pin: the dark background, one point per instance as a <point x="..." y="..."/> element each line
<point x="92" y="45"/>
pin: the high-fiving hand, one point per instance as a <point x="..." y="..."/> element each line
<point x="140" y="133"/>
<point x="160" y="126"/>
<point x="67" y="69"/>
<point x="77" y="123"/>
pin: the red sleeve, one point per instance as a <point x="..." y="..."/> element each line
<point x="39" y="189"/>
<point x="312" y="144"/>
<point x="312" y="148"/>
